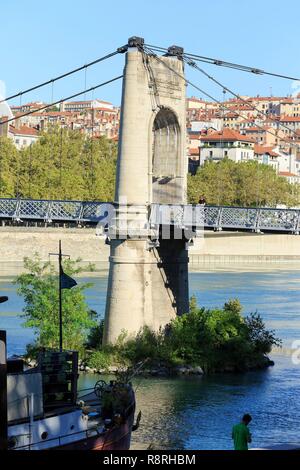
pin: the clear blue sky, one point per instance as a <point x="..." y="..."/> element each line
<point x="42" y="39"/>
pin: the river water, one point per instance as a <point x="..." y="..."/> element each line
<point x="198" y="413"/>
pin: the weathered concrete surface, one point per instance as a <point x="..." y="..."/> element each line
<point x="246" y="244"/>
<point x="222" y="248"/>
<point x="16" y="243"/>
<point x="143" y="288"/>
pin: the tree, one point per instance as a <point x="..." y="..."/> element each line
<point x="241" y="184"/>
<point x="39" y="287"/>
<point x="67" y="164"/>
<point x="261" y="338"/>
<point x="9" y="166"/>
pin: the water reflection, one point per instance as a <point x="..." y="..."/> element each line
<point x="198" y="413"/>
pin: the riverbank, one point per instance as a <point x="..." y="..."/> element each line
<point x="165" y="371"/>
<point x="215" y="251"/>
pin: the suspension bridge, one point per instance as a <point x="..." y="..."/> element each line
<point x="150" y="286"/>
<point x="52" y="213"/>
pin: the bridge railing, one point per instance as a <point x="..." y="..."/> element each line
<point x="50" y="211"/>
<point x="255" y="219"/>
<point x="199" y="216"/>
<point x="228" y="217"/>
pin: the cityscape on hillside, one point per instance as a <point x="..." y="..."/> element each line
<point x="266" y="129"/>
<point x="149" y="232"/>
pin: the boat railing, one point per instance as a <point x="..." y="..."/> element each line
<point x="61" y="440"/>
<point x="69" y="438"/>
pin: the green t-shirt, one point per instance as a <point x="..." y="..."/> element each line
<point x="240" y="436"/>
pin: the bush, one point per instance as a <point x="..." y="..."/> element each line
<point x="95" y="336"/>
<point x="215" y="339"/>
<point x="146" y="345"/>
<point x="100" y="360"/>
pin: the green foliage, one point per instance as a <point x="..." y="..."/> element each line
<point x="39" y="287"/>
<point x="100" y="360"/>
<point x="94" y="339"/>
<point x="67" y="164"/>
<point x="242" y="184"/>
<point x="262" y="339"/>
<point x="62" y="164"/>
<point x="9" y="168"/>
<point x="147" y="344"/>
<point x="215" y="339"/>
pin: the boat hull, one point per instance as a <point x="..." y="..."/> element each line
<point x="116" y="438"/>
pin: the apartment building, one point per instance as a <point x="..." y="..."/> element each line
<point x="77" y="106"/>
<point x="226" y="144"/>
<point x="23" y="136"/>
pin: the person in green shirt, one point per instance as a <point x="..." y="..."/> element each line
<point x="241" y="435"/>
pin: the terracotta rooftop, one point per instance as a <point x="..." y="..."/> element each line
<point x="290" y="119"/>
<point x="262" y="150"/>
<point x="23" y="130"/>
<point x="194" y="152"/>
<point x="254" y="129"/>
<point x="195" y="136"/>
<point x="227" y="135"/>
<point x="286" y="173"/>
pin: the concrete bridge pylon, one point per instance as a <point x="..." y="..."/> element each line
<point x="148" y="282"/>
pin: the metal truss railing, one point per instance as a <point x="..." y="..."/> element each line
<point x="22" y="210"/>
<point x="252" y="219"/>
<point x="207" y="217"/>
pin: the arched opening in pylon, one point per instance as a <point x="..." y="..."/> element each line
<point x="166" y="188"/>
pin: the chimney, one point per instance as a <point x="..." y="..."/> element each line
<point x="17" y="123"/>
<point x="4" y="127"/>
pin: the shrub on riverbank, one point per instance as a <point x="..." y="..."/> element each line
<point x="214" y="339"/>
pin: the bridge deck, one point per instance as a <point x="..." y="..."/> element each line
<point x="208" y="217"/>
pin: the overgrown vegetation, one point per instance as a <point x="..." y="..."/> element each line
<point x="39" y="287"/>
<point x="215" y="339"/>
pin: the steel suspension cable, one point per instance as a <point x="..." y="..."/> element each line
<point x="150" y="52"/>
<point x="64" y="75"/>
<point x="224" y="63"/>
<point x="61" y="100"/>
<point x="191" y="63"/>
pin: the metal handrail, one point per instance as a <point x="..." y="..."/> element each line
<point x="215" y="217"/>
